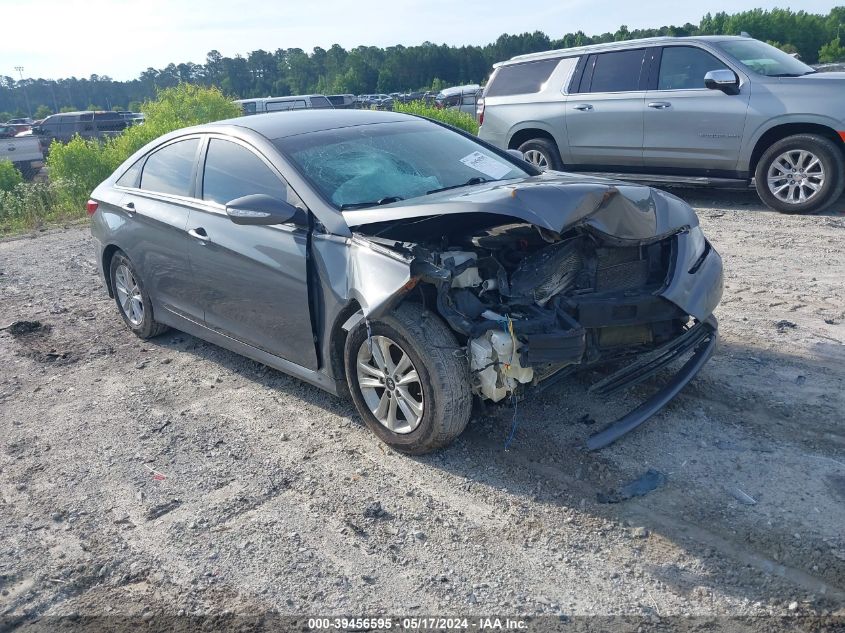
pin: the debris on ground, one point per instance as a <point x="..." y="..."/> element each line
<point x="650" y="480"/>
<point x="742" y="496"/>
<point x="163" y="508"/>
<point x="784" y="325"/>
<point x="374" y="510"/>
<point x="22" y="328"/>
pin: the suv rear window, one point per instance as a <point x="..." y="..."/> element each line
<point x="520" y="79"/>
<point x="616" y="72"/>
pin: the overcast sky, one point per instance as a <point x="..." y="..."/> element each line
<point x="62" y="38"/>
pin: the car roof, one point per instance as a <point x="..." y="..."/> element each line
<point x="274" y="125"/>
<point x="592" y="48"/>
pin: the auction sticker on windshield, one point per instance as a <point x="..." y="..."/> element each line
<point x="486" y="165"/>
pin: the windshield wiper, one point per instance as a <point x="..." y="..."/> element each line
<point x="811" y="72"/>
<point x="475" y="180"/>
<point x="377" y="203"/>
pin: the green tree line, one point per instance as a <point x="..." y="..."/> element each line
<point x="369" y="69"/>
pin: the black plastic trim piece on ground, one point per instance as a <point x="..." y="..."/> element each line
<point x="704" y="350"/>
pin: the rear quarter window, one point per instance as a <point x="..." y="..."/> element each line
<point x="523" y="78"/>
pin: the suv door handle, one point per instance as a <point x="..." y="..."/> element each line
<point x="583" y="107"/>
<point x="199" y="233"/>
<point x="659" y="105"/>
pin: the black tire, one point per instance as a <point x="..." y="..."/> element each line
<point x="148" y="327"/>
<point x="27" y="171"/>
<point x="443" y="370"/>
<point x="831" y="160"/>
<point x="547" y="149"/>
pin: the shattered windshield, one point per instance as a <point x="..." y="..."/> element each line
<point x="367" y="165"/>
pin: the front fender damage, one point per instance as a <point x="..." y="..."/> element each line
<point x="560" y="276"/>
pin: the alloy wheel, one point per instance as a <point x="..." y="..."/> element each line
<point x="390" y="384"/>
<point x="129" y="294"/>
<point x="536" y="157"/>
<point x="796" y="176"/>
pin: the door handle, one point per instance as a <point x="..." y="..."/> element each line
<point x="199" y="233"/>
<point x="583" y="107"/>
<point x="129" y="207"/>
<point x="659" y="105"/>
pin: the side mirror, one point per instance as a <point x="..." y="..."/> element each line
<point x="724" y="80"/>
<point x="516" y="153"/>
<point x="260" y="208"/>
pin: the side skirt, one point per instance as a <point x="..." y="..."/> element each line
<point x="316" y="378"/>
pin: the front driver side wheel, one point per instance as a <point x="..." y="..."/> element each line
<point x="801" y="174"/>
<point x="409" y="379"/>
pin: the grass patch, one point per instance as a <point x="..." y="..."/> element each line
<point x="456" y="118"/>
<point x="33" y="205"/>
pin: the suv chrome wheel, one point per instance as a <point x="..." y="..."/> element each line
<point x="796" y="176"/>
<point x="129" y="294"/>
<point x="390" y="384"/>
<point x="536" y="157"/>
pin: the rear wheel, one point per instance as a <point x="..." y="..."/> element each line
<point x="132" y="300"/>
<point x="801" y="174"/>
<point x="542" y="153"/>
<point x="409" y="379"/>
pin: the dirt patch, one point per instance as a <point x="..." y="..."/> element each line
<point x="286" y="503"/>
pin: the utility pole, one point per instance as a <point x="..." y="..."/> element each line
<point x="25" y="96"/>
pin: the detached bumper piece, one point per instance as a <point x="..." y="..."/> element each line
<point x="701" y="339"/>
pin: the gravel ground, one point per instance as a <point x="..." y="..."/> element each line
<point x="171" y="476"/>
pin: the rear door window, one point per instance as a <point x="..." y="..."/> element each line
<point x="523" y="78"/>
<point x="321" y="102"/>
<point x="233" y="171"/>
<point x="618" y="71"/>
<point x="684" y="67"/>
<point x="170" y="169"/>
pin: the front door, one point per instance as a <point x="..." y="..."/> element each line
<point x="604" y="115"/>
<point x="252" y="281"/>
<point x="689" y="128"/>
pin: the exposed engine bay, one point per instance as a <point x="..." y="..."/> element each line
<point x="530" y="302"/>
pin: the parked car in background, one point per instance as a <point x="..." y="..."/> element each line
<point x="283" y="104"/>
<point x="23" y="121"/>
<point x="404" y="262"/>
<point x="463" y="98"/>
<point x="716" y="110"/>
<point x="24" y="150"/>
<point x="132" y="118"/>
<point x="18" y="128"/>
<point x="342" y="102"/>
<point x="87" y="124"/>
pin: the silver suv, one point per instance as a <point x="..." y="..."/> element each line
<point x="695" y="110"/>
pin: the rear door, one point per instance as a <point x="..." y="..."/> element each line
<point x="252" y="281"/>
<point x="158" y="194"/>
<point x="687" y="127"/>
<point x="604" y="120"/>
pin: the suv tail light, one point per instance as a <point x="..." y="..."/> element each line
<point x="91" y="207"/>
<point x="479" y="110"/>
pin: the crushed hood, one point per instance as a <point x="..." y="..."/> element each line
<point x="552" y="201"/>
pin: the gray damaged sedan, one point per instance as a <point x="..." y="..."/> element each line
<point x="407" y="264"/>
